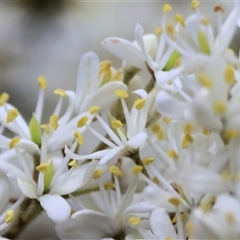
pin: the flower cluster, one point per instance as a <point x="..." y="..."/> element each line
<point x="133" y="157"/>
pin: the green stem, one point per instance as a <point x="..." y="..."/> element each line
<point x="28" y="210"/>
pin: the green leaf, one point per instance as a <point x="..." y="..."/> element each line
<point x="202" y="42"/>
<point x="35" y="130"/>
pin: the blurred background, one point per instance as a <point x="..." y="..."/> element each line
<point x="48" y="37"/>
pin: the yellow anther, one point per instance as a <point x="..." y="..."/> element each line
<point x="219" y="8"/>
<point x="121" y="93"/>
<point x="115" y="171"/>
<point x="205" y="21"/>
<point x="11" y="115"/>
<point x="93" y="109"/>
<point x="109" y="185"/>
<point x="158" y="31"/>
<point x="170" y="29"/>
<point x="97" y="173"/>
<point x="174" y="201"/>
<point x="172" y="154"/>
<point x="116" y="124"/>
<point x="46" y="128"/>
<point x="137" y="169"/>
<point x="187" y="139"/>
<point x="53" y="121"/>
<point x="139" y="103"/>
<point x="14" y="142"/>
<point x="219" y="107"/>
<point x="183" y="217"/>
<point x="205" y="81"/>
<point x="104" y="67"/>
<point x="117" y="76"/>
<point x="43" y="167"/>
<point x="147" y="161"/>
<point x="79" y="137"/>
<point x="73" y="163"/>
<point x="229" y="75"/>
<point x="206" y="132"/>
<point x="60" y="92"/>
<point x="230" y="218"/>
<point x="3" y="98"/>
<point x="179" y="18"/>
<point x="158" y="131"/>
<point x="82" y="122"/>
<point x="168" y="238"/>
<point x="195" y="4"/>
<point x="166" y="8"/>
<point x="42" y="82"/>
<point x="167" y="120"/>
<point x="9" y="216"/>
<point x="188" y="128"/>
<point x="189" y="227"/>
<point x="134" y="221"/>
<point x="156" y="180"/>
<point x="229" y="134"/>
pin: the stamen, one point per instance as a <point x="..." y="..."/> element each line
<point x="158" y="131"/>
<point x="43" y="167"/>
<point x="166" y="8"/>
<point x="167" y="120"/>
<point x="82" y="122"/>
<point x="60" y="92"/>
<point x="137" y="169"/>
<point x="179" y="18"/>
<point x="172" y="154"/>
<point x="229" y="134"/>
<point x="121" y="93"/>
<point x="93" y="109"/>
<point x="79" y="137"/>
<point x="115" y="171"/>
<point x="158" y="31"/>
<point x="188" y="128"/>
<point x="116" y="124"/>
<point x="134" y="221"/>
<point x="117" y="76"/>
<point x="174" y="201"/>
<point x="42" y="82"/>
<point x="73" y="163"/>
<point x="9" y="216"/>
<point x="219" y="8"/>
<point x="139" y="103"/>
<point x="156" y="180"/>
<point x="14" y="142"/>
<point x="206" y="132"/>
<point x="187" y="139"/>
<point x="229" y="75"/>
<point x="147" y="161"/>
<point x="195" y="4"/>
<point x="219" y="107"/>
<point x="109" y="185"/>
<point x="3" y="98"/>
<point x="53" y="121"/>
<point x="97" y="173"/>
<point x="11" y="115"/>
<point x="205" y="81"/>
<point x="104" y="67"/>
<point x="46" y="128"/>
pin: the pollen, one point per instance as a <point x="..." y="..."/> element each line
<point x="14" y="142"/>
<point x="79" y="137"/>
<point x="179" y="19"/>
<point x="205" y="81"/>
<point x="137" y="169"/>
<point x="97" y="173"/>
<point x="174" y="201"/>
<point x="11" y="115"/>
<point x="121" y="93"/>
<point x="195" y="4"/>
<point x="134" y="221"/>
<point x="3" y="98"/>
<point x="139" y="103"/>
<point x="116" y="124"/>
<point x="167" y="120"/>
<point x="46" y="128"/>
<point x="158" y="31"/>
<point x="172" y="154"/>
<point x="166" y="8"/>
<point x="73" y="163"/>
<point x="219" y="107"/>
<point x="53" y="121"/>
<point x="82" y="122"/>
<point x="42" y="82"/>
<point x="9" y="216"/>
<point x="229" y="75"/>
<point x="109" y="185"/>
<point x="115" y="171"/>
<point x="43" y="167"/>
<point x="93" y="109"/>
<point x="147" y="161"/>
<point x="60" y="92"/>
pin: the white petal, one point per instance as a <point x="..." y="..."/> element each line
<point x="161" y="225"/>
<point x="56" y="207"/>
<point x="125" y="50"/>
<point x="27" y="189"/>
<point x="137" y="141"/>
